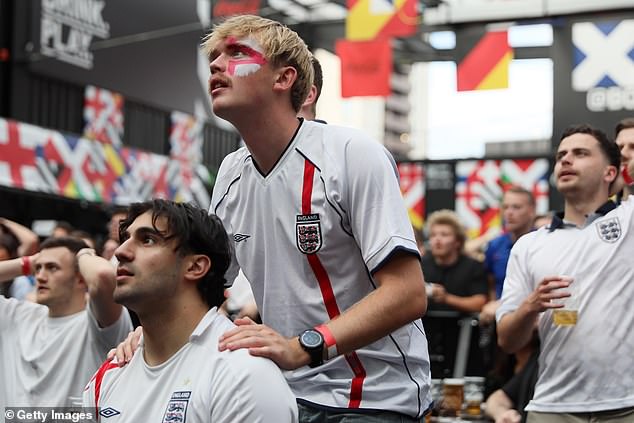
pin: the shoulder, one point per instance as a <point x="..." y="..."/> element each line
<point x="231" y="165"/>
<point x="21" y="310"/>
<point x="530" y="237"/>
<point x="229" y="171"/>
<point x="341" y="141"/>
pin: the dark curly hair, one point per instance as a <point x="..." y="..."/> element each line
<point x="196" y="232"/>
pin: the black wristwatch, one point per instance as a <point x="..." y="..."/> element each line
<point x="313" y="343"/>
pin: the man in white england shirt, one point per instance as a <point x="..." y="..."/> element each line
<point x="172" y="261"/>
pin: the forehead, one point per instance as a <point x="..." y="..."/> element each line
<point x="59" y="255"/>
<point x="515" y="197"/>
<point x="586" y="141"/>
<point x="442" y="227"/>
<point x="144" y="220"/>
<point x="626" y="136"/>
<point x="238" y="40"/>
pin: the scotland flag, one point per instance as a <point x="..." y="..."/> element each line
<point x="603" y="54"/>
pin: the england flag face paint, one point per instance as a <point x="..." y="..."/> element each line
<point x="247" y="56"/>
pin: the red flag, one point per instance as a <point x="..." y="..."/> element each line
<point x="236" y="7"/>
<point x="366" y="67"/>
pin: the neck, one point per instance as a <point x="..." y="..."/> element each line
<point x="519" y="232"/>
<point x="267" y="138"/>
<point x="166" y="329"/>
<point x="76" y="304"/>
<point x="448" y="259"/>
<point x="576" y="209"/>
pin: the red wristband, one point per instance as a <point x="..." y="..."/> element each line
<point x="26" y="265"/>
<point x="329" y="340"/>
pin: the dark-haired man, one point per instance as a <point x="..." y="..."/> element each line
<point x="575" y="280"/>
<point x="172" y="262"/>
<point x="624" y="137"/>
<point x="51" y="348"/>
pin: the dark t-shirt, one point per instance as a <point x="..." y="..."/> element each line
<point x="464" y="278"/>
<point x="521" y="387"/>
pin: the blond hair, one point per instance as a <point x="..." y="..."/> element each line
<point x="449" y="218"/>
<point x="282" y="47"/>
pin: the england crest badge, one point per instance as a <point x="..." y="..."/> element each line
<point x="176" y="411"/>
<point x="308" y="233"/>
<point x="609" y="230"/>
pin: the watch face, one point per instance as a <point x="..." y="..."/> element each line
<point x="312" y="339"/>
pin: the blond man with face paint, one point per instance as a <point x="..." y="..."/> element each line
<point x="321" y="233"/>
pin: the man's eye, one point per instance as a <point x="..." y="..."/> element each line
<point x="238" y="54"/>
<point x="149" y="241"/>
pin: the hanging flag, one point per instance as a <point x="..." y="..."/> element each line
<point x="370" y="19"/>
<point x="186" y="137"/>
<point x="486" y="66"/>
<point x="236" y="7"/>
<point x="412" y="182"/>
<point x="366" y="67"/>
<point x="103" y="116"/>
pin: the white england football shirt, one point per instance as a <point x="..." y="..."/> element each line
<point x="198" y="384"/>
<point x="308" y="237"/>
<point x="46" y="361"/>
<point x="587" y="366"/>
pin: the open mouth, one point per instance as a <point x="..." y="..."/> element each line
<point x="217" y="83"/>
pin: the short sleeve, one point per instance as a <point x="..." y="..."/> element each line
<point x="378" y="216"/>
<point x="115" y="333"/>
<point x="518" y="283"/>
<point x="250" y="389"/>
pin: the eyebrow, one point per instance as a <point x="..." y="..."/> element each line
<point x="574" y="150"/>
<point x="144" y="230"/>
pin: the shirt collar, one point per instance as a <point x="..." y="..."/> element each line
<point x="559" y="223"/>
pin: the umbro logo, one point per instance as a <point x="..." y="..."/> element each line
<point x="109" y="412"/>
<point x="240" y="237"/>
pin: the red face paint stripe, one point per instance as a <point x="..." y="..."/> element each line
<point x="327" y="293"/>
<point x="255" y="57"/>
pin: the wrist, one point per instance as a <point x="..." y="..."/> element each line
<point x="26" y="265"/>
<point x="302" y="358"/>
<point x="330" y="344"/>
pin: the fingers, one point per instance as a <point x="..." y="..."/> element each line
<point x="243" y="321"/>
<point x="245" y="336"/>
<point x="111" y="354"/>
<point x="551" y="289"/>
<point x="125" y="350"/>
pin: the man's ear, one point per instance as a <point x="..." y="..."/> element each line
<point x="197" y="266"/>
<point x="285" y="78"/>
<point x="312" y="96"/>
<point x="611" y="173"/>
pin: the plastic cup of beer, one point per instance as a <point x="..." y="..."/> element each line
<point x="453" y="396"/>
<point x="568" y="314"/>
<point x="473" y="395"/>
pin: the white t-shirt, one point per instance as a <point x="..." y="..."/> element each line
<point x="308" y="236"/>
<point x="198" y="384"/>
<point x="588" y="366"/>
<point x="46" y="361"/>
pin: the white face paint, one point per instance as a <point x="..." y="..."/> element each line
<point x="247" y="56"/>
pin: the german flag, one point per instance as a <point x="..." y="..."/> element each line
<point x="371" y="19"/>
<point x="486" y="65"/>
